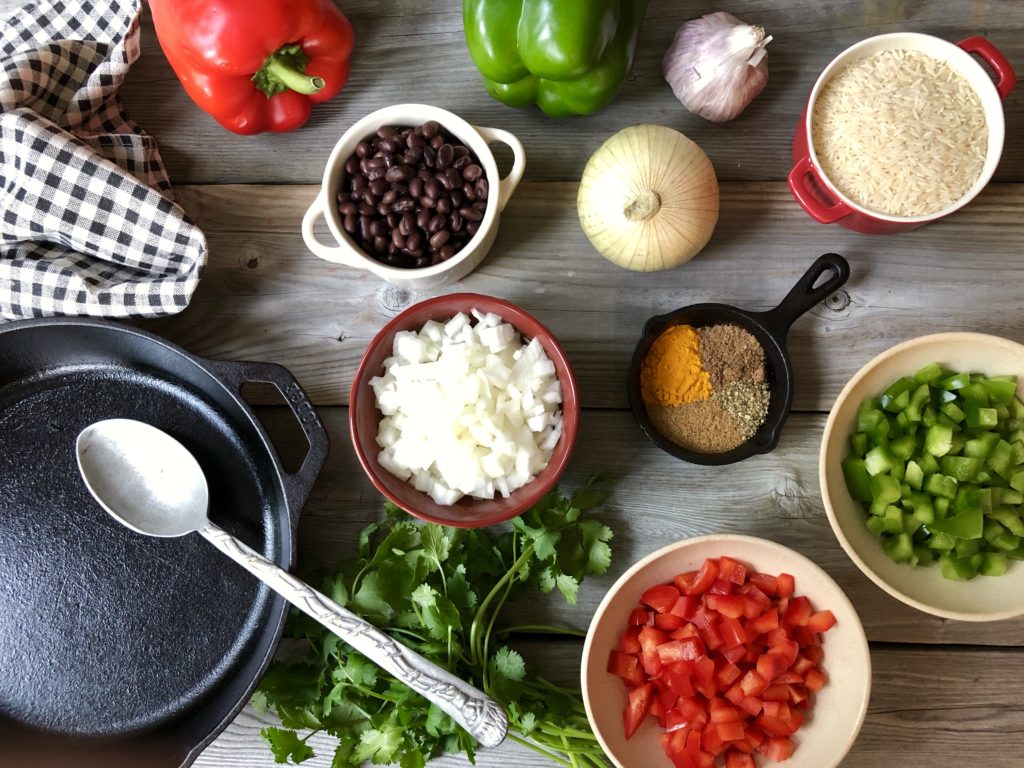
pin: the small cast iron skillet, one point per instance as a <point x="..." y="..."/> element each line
<point x="770" y="329"/>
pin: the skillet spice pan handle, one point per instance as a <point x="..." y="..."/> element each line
<point x="805" y="294"/>
<point x="234" y="374"/>
<point x="482" y="717"/>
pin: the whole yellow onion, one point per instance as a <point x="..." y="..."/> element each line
<point x="648" y="199"/>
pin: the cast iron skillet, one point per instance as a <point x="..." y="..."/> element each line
<point x="117" y="649"/>
<point x="770" y="328"/>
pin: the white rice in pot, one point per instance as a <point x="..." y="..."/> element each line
<point x="900" y="133"/>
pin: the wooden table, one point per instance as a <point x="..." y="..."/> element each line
<point x="941" y="689"/>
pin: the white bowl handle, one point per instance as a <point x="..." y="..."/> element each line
<point x="508" y="184"/>
<point x="339" y="254"/>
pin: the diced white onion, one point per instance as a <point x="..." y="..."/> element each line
<point x="468" y="408"/>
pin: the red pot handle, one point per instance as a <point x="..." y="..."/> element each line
<point x="1006" y="78"/>
<point x="820" y="207"/>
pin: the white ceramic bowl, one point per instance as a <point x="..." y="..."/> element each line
<point x="980" y="599"/>
<point x="348" y="252"/>
<point x="839" y="708"/>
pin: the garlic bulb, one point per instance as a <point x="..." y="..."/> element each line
<point x="648" y="199"/>
<point x="716" y="65"/>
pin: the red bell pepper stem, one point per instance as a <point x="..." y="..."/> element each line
<point x="293" y="78"/>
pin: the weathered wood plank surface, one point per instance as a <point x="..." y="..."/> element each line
<point x="658" y="500"/>
<point x="408" y="50"/>
<point x="414" y="51"/>
<point x="264" y="296"/>
<point x="928" y="707"/>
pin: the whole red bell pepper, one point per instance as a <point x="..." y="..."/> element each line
<point x="256" y="65"/>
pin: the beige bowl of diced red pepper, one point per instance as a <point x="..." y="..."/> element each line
<point x="726" y="649"/>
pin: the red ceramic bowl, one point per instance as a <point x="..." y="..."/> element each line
<point x="364" y="417"/>
<point x="821" y="198"/>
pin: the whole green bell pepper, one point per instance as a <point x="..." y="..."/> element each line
<point x="570" y="57"/>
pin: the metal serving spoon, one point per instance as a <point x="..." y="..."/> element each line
<point x="151" y="483"/>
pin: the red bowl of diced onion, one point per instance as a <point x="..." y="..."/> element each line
<point x="365" y="416"/>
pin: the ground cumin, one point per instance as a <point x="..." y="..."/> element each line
<point x="703" y="426"/>
<point x="672" y="373"/>
<point x="731" y="354"/>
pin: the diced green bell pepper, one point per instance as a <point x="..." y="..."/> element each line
<point x="965" y="525"/>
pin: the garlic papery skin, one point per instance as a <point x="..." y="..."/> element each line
<point x="716" y="65"/>
<point x="648" y="199"/>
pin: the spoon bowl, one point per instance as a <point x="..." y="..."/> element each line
<point x="151" y="483"/>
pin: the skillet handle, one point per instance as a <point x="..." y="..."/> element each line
<point x="233" y="374"/>
<point x="805" y="294"/>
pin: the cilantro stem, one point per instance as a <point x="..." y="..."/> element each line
<point x="539" y="629"/>
<point x="476" y="631"/>
<point x="529" y="743"/>
<point x="310" y="735"/>
<point x="563" y="731"/>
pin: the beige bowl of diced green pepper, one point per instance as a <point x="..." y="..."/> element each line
<point x="922" y="474"/>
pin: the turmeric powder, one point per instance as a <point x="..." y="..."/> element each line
<point x="672" y="373"/>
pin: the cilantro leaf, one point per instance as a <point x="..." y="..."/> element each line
<point x="436" y="612"/>
<point x="568" y="586"/>
<point x="286" y="745"/>
<point x="379" y="745"/>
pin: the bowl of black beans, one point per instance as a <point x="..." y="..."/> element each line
<point x="411" y="193"/>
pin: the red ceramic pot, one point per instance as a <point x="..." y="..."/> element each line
<point x="364" y="417"/>
<point x="822" y="199"/>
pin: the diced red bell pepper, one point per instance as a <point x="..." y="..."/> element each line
<point x="765" y="582"/>
<point x="630" y="642"/>
<point x="735" y="655"/>
<point x="753" y="684"/>
<point x="751" y="705"/>
<point x="710" y="740"/>
<point x="784" y="585"/>
<point x="639" y="704"/>
<point x="736" y="759"/>
<point x="685" y="606"/>
<point x="798" y="612"/>
<point x="778" y="749"/>
<point x="766" y="622"/>
<point x="721" y="587"/>
<point x="662" y="598"/>
<point x="712" y="637"/>
<point x="726" y="673"/>
<point x="731" y="730"/>
<point x="731" y="570"/>
<point x="732" y="632"/>
<point x="822" y="621"/>
<point x="650" y="639"/>
<point x="698" y="582"/>
<point x="771" y="665"/>
<point x="687" y="630"/>
<point x="679" y="678"/>
<point x="668" y="621"/>
<point x="627" y="666"/>
<point x="814" y="679"/>
<point x="640" y="618"/>
<point x="687" y="649"/>
<point x="727" y="605"/>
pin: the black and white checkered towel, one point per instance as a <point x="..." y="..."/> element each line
<point x="87" y="226"/>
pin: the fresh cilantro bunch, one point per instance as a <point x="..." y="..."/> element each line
<point x="441" y="591"/>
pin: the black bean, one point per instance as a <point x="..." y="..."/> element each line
<point x="397" y="238"/>
<point x="462" y="151"/>
<point x="429" y="157"/>
<point x="403" y="204"/>
<point x="348" y="209"/>
<point x="457" y="198"/>
<point x="364" y="166"/>
<point x="469" y="191"/>
<point x="454" y="177"/>
<point x="390" y="196"/>
<point x="439" y="238"/>
<point x="364" y="228"/>
<point x="359" y="182"/>
<point x="445" y="155"/>
<point x="456" y="221"/>
<point x="367" y="210"/>
<point x="446" y="252"/>
<point x="378" y="228"/>
<point x="472" y="172"/>
<point x="427" y="202"/>
<point x="432" y="189"/>
<point x="415" y="141"/>
<point x="363" y="150"/>
<point x="412" y="157"/>
<point x="430" y="128"/>
<point x="437" y="142"/>
<point x="472" y="214"/>
<point x="472" y="228"/>
<point x="351" y="223"/>
<point x="423" y="261"/>
<point x="375" y="162"/>
<point x="408" y="223"/>
<point x="481" y="189"/>
<point x="416" y="187"/>
<point x="380" y="244"/>
<point x="393" y="219"/>
<point x="414" y="241"/>
<point x="444" y="205"/>
<point x="376" y="173"/>
<point x="399" y="173"/>
<point x="352" y="165"/>
<point x="435" y="224"/>
<point x="387" y="131"/>
<point x="383" y="209"/>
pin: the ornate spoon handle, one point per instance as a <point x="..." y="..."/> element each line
<point x="480" y="715"/>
